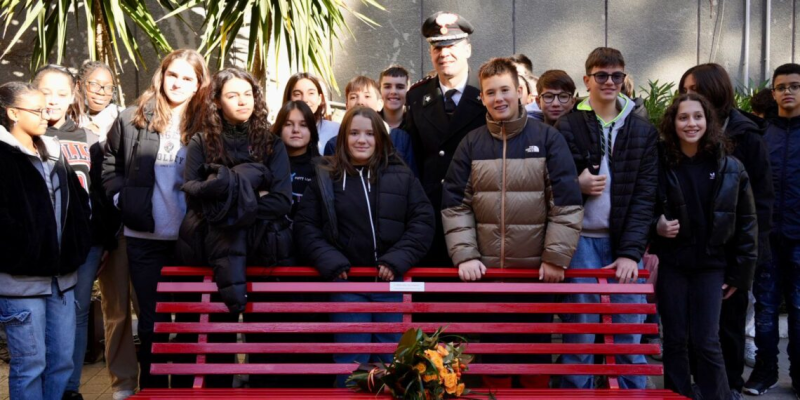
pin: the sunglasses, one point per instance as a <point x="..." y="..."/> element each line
<point x="602" y="77"/>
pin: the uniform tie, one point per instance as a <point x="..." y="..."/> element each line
<point x="449" y="104"/>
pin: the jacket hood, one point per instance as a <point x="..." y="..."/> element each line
<point x="512" y="128"/>
<point x="51" y="144"/>
<point x="624" y="104"/>
<point x="737" y="124"/>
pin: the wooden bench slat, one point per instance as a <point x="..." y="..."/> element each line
<point x="474" y="369"/>
<point x="393" y="327"/>
<point x="430" y="287"/>
<point x="383" y="348"/>
<point x="416" y="308"/>
<point x="418" y="272"/>
<point x="347" y="394"/>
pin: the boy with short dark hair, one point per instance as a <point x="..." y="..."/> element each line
<point x="363" y="91"/>
<point x="499" y="173"/>
<point x="556" y="94"/>
<point x="614" y="151"/>
<point x="779" y="279"/>
<point x="393" y="85"/>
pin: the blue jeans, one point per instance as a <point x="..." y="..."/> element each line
<point x="40" y="341"/>
<point x="774" y="281"/>
<point x="595" y="253"/>
<point x="83" y="299"/>
<point x="365" y="337"/>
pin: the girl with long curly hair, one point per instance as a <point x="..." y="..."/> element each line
<point x="705" y="237"/>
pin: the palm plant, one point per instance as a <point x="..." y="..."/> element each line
<point x="306" y="27"/>
<point x="106" y="25"/>
<point x="658" y="98"/>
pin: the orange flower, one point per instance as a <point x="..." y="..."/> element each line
<point x="460" y="389"/>
<point x="435" y="358"/>
<point x="429" y="377"/>
<point x="442" y="350"/>
<point x="450" y="382"/>
<point x="420" y="368"/>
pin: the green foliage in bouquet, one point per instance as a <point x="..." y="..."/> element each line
<point x="423" y="368"/>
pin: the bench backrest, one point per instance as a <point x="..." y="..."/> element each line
<point x="295" y="280"/>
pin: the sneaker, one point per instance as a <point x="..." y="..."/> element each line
<point x="750" y="352"/>
<point x="122" y="394"/>
<point x="761" y="380"/>
<point x="660" y="355"/>
<point x="72" y="395"/>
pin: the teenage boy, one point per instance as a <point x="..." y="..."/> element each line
<point x="442" y="109"/>
<point x="615" y="152"/>
<point x="525" y="71"/>
<point x="779" y="279"/>
<point x="499" y="173"/>
<point x="393" y="83"/>
<point x="363" y="91"/>
<point x="556" y="94"/>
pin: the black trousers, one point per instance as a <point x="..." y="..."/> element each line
<point x="145" y="259"/>
<point x="732" y="323"/>
<point x="689" y="305"/>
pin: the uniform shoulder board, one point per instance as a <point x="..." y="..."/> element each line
<point x="420" y="82"/>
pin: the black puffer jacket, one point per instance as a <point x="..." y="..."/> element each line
<point x="402" y="216"/>
<point x="235" y="212"/>
<point x="733" y="226"/>
<point x="751" y="150"/>
<point x="634" y="170"/>
<point x="129" y="170"/>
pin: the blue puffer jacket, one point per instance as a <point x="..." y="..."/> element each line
<point x="783" y="141"/>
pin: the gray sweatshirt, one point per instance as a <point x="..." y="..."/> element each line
<point x="28" y="286"/>
<point x="597" y="209"/>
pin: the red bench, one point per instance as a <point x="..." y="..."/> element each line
<point x="201" y="369"/>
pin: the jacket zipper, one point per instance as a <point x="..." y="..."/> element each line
<point x="503" y="201"/>
<point x="66" y="216"/>
<point x="783" y="170"/>
<point x="721" y="168"/>
<point x="369" y="209"/>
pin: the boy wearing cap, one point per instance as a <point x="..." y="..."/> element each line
<point x="515" y="178"/>
<point x="441" y="110"/>
<point x="614" y="151"/>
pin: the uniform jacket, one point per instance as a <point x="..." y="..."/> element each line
<point x="511" y="196"/>
<point x="402" y="221"/>
<point x="634" y="174"/>
<point x="733" y="229"/>
<point x="435" y="138"/>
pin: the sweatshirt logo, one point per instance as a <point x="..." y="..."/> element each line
<point x="532" y="149"/>
<point x="712" y="175"/>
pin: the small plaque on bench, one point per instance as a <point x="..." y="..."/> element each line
<point x="406" y="286"/>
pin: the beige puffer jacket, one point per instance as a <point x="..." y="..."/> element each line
<point x="511" y="197"/>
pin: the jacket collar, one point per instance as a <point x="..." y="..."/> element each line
<point x="512" y="128"/>
<point x="51" y="144"/>
<point x="786" y="123"/>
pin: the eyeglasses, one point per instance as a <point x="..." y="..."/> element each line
<point x="602" y="77"/>
<point x="563" y="97"/>
<point x="793" y="88"/>
<point x="42" y="112"/>
<point x="96" y="88"/>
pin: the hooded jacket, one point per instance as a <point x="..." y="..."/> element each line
<point x="782" y="138"/>
<point x="511" y="196"/>
<point x="397" y="218"/>
<point x="749" y="147"/>
<point x="633" y="174"/>
<point x="732" y="227"/>
<point x="41" y="237"/>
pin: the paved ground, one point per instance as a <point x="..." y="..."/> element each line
<point x="95" y="383"/>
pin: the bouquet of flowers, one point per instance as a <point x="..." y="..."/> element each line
<point x="422" y="369"/>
